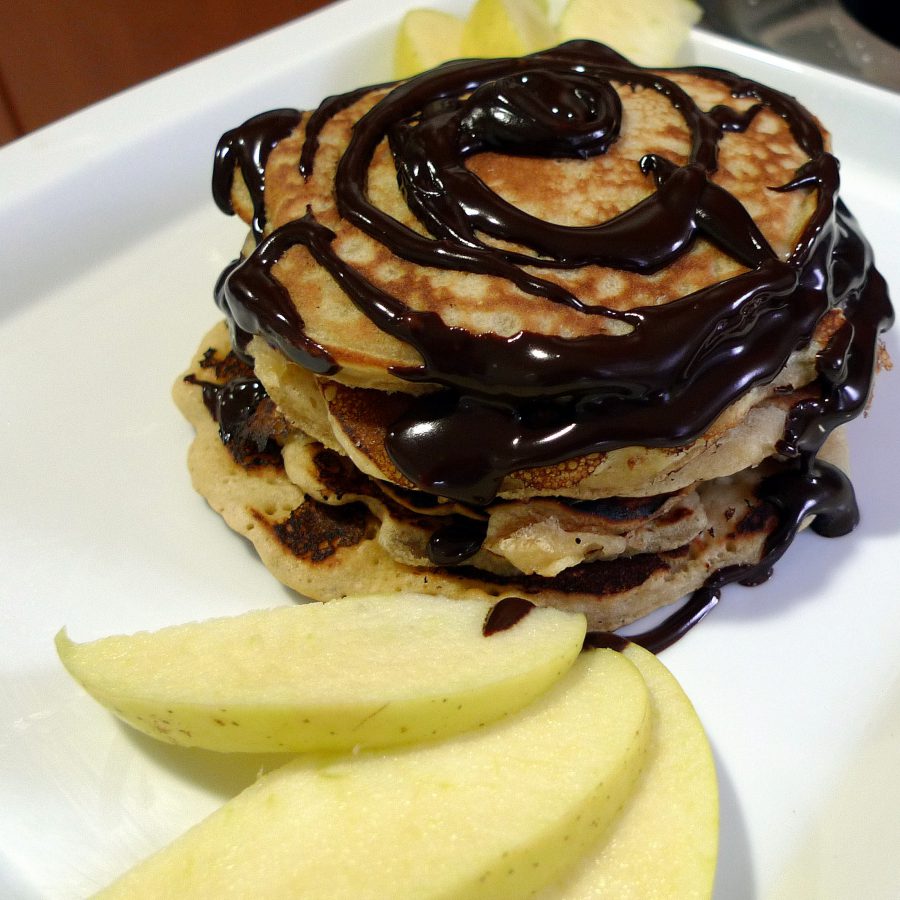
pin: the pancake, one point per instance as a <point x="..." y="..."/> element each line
<point x="606" y="185"/>
<point x="327" y="550"/>
<point x="355" y="422"/>
<point x="556" y="326"/>
<point x="326" y="530"/>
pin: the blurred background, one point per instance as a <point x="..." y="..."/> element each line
<point x="57" y="56"/>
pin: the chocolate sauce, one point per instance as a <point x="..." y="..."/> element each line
<point x="247" y="147"/>
<point x="505" y="613"/>
<point x="801" y="488"/>
<point x="256" y="303"/>
<point x="609" y="640"/>
<point x="537" y="400"/>
<point x="698" y="606"/>
<point x="619" y="509"/>
<point x="454" y="543"/>
<point x="234" y="406"/>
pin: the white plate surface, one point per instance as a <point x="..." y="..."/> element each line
<point x="109" y="247"/>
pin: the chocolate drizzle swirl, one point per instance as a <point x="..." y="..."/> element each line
<point x="536" y="400"/>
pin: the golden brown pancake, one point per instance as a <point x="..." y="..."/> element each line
<point x="324" y="550"/>
<point x="354" y="421"/>
<point x="330" y="531"/>
<point x="557" y="327"/>
<point x="576" y="192"/>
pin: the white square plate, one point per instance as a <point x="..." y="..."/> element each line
<point x="110" y="248"/>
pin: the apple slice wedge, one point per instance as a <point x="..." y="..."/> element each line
<point x="426" y="38"/>
<point x="493" y="813"/>
<point x="666" y="840"/>
<point x="506" y="28"/>
<point x="370" y="671"/>
<point x="648" y="32"/>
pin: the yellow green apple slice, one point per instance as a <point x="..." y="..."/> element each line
<point x="493" y="813"/>
<point x="506" y="28"/>
<point x="648" y="32"/>
<point x="426" y="38"/>
<point x="371" y="671"/>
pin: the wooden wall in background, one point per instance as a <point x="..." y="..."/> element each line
<point x="57" y="56"/>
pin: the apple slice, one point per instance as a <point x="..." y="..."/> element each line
<point x="552" y="9"/>
<point x="426" y="38"/>
<point x="648" y="32"/>
<point x="666" y="841"/>
<point x="371" y="671"/>
<point x="506" y="28"/>
<point x="493" y="813"/>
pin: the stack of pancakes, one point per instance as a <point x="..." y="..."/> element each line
<point x="555" y="327"/>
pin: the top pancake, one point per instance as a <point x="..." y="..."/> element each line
<point x="574" y="192"/>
